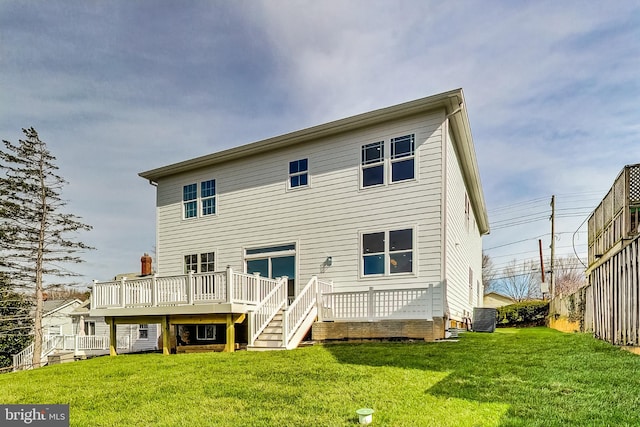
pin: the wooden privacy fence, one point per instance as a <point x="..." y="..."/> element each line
<point x="616" y="296"/>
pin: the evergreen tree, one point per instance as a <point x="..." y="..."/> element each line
<point x="37" y="238"/>
<point x="16" y="322"/>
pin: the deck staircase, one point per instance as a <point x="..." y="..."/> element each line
<point x="285" y="327"/>
<point x="271" y="337"/>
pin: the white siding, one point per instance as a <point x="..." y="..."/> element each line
<point x="255" y="208"/>
<point x="463" y="244"/>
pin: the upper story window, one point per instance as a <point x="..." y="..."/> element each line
<point x="373" y="164"/>
<point x="190" y="200"/>
<point x="387" y="252"/>
<point x="403" y="158"/>
<point x="299" y="173"/>
<point x="399" y="166"/>
<point x="206" y="199"/>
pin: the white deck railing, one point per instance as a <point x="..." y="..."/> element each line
<point x="188" y="289"/>
<point x="260" y="317"/>
<point x="302" y="305"/>
<point x="75" y="343"/>
<point x="371" y="305"/>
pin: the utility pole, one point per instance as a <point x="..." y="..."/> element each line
<point x="552" y="284"/>
<point x="541" y="260"/>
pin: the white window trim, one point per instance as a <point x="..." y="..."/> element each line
<point x="387" y="274"/>
<point x="140" y="328"/>
<point x="289" y="252"/>
<point x="387" y="162"/>
<point x="308" y="172"/>
<point x="198" y="260"/>
<point x="199" y="200"/>
<point x="204" y="338"/>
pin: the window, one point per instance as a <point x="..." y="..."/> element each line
<point x="207" y="199"/>
<point x="189" y="200"/>
<point x="206" y="332"/>
<point x="299" y="173"/>
<point x="89" y="328"/>
<point x="191" y="263"/>
<point x="470" y="286"/>
<point x="373" y="164"/>
<point x="401" y="161"/>
<point x="387" y="252"/>
<point x="143" y="331"/>
<point x="207" y="262"/>
<point x="208" y="196"/>
<point x="402" y="158"/>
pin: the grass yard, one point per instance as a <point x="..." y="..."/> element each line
<point x="514" y="377"/>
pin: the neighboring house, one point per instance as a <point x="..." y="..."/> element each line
<point x="56" y="316"/>
<point x="496" y="300"/>
<point x="130" y="337"/>
<point x="70" y="330"/>
<point x="371" y="224"/>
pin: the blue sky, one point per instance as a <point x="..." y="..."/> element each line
<point x="119" y="87"/>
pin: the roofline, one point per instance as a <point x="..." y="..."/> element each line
<point x="450" y="101"/>
<point x="68" y="303"/>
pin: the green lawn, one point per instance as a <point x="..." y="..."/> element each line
<point x="523" y="377"/>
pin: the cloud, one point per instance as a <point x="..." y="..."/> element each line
<point x="118" y="88"/>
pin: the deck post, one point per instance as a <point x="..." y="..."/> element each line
<point x="166" y="336"/>
<point x="229" y="284"/>
<point x="122" y="292"/>
<point x="231" y="335"/>
<point x="154" y="290"/>
<point x="190" y="287"/>
<point x="370" y="305"/>
<point x="113" y="338"/>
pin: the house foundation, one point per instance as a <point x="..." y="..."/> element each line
<point x="427" y="330"/>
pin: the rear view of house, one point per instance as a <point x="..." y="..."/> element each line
<point x="369" y="226"/>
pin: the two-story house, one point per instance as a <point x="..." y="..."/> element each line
<point x="369" y="226"/>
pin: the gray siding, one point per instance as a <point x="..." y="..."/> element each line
<point x="255" y="208"/>
<point x="463" y="244"/>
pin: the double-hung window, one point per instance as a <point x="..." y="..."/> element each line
<point x="373" y="164"/>
<point x="299" y="173"/>
<point x="400" y="165"/>
<point x="387" y="252"/>
<point x="205" y="199"/>
<point x="208" y="197"/>
<point x="190" y="200"/>
<point x="403" y="151"/>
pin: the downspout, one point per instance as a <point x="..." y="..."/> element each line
<point x="155" y="184"/>
<point x="443" y="202"/>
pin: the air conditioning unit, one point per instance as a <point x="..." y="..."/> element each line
<point x="484" y="319"/>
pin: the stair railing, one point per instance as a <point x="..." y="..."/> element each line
<point x="266" y="310"/>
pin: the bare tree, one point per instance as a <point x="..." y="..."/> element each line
<point x="37" y="238"/>
<point x="488" y="274"/>
<point x="521" y="281"/>
<point x="570" y="275"/>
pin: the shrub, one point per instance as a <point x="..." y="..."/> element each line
<point x="523" y="314"/>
